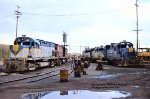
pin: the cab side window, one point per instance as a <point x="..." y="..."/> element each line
<point x="32" y="43"/>
<point x="15" y="43"/>
<point x="37" y="45"/>
<point x="114" y="48"/>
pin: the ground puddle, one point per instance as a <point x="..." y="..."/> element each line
<point x="78" y="94"/>
<point x="107" y="76"/>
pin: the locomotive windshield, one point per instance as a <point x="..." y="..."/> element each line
<point x="97" y="49"/>
<point x="26" y="43"/>
<point x="23" y="41"/>
<point x="125" y="45"/>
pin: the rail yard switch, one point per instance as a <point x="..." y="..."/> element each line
<point x="63" y="75"/>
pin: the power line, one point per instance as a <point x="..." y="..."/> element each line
<point x="80" y="14"/>
<point x="4" y="17"/>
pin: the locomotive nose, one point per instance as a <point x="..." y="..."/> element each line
<point x="15" y="48"/>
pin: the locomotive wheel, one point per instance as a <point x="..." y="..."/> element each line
<point x="119" y="63"/>
<point x="37" y="66"/>
<point x="57" y="63"/>
<point x="124" y="63"/>
<point x="52" y="63"/>
<point x="115" y="62"/>
<point x="31" y="66"/>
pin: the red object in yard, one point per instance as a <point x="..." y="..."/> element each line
<point x="59" y="50"/>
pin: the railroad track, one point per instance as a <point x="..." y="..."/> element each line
<point x="35" y="78"/>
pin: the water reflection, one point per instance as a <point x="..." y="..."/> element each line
<point x="78" y="94"/>
<point x="107" y="76"/>
<point x="35" y="95"/>
<point x="63" y="92"/>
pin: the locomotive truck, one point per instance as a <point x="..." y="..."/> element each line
<point x="121" y="54"/>
<point x="28" y="54"/>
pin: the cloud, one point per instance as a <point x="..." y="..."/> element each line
<point x="100" y="34"/>
<point x="7" y="39"/>
<point x="143" y="11"/>
<point x="87" y="22"/>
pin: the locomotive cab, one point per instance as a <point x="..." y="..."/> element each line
<point x="24" y="50"/>
<point x="126" y="49"/>
<point x="23" y="47"/>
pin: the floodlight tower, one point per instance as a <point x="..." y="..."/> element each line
<point x="64" y="40"/>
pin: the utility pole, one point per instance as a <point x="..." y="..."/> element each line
<point x="137" y="26"/>
<point x="17" y="16"/>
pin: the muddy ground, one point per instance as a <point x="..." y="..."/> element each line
<point x="133" y="80"/>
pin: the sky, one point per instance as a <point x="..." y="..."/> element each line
<point x="88" y="23"/>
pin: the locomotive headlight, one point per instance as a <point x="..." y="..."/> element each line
<point x="130" y="49"/>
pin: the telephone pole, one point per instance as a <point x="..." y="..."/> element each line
<point x="18" y="14"/>
<point x="137" y="26"/>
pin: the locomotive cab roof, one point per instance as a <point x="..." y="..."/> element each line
<point x="125" y="44"/>
<point x="98" y="48"/>
<point x="27" y="41"/>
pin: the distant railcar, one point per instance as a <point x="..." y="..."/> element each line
<point x="86" y="54"/>
<point x="93" y="54"/>
<point x="144" y="54"/>
<point x="28" y="53"/>
<point x="59" y="53"/>
<point x="97" y="54"/>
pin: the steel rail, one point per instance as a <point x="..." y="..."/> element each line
<point x="38" y="75"/>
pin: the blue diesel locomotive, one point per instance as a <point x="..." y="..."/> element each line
<point x="121" y="54"/>
<point x="93" y="54"/>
